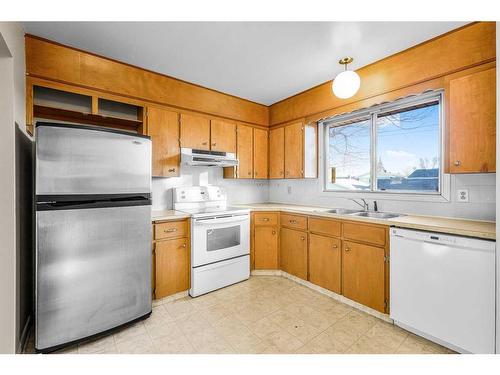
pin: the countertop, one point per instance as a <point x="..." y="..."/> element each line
<point x="462" y="227"/>
<point x="168" y="215"/>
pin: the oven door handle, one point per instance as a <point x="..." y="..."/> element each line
<point x="232" y="219"/>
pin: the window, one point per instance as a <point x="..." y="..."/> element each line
<point x="388" y="148"/>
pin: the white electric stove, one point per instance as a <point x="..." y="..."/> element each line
<point x="220" y="238"/>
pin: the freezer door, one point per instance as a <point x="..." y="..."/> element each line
<point x="93" y="271"/>
<point x="84" y="160"/>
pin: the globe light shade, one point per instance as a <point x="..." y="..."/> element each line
<point x="346" y="84"/>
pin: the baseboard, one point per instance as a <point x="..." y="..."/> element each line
<point x="325" y="292"/>
<point x="25" y="334"/>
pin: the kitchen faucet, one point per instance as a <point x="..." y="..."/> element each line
<point x="364" y="204"/>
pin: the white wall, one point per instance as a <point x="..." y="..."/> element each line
<point x="12" y="110"/>
<point x="238" y="191"/>
<point x="481" y="204"/>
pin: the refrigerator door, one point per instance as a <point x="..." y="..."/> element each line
<point x="93" y="271"/>
<point x="75" y="159"/>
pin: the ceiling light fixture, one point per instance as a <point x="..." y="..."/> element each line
<point x="346" y="83"/>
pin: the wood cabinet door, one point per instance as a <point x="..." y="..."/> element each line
<point x="172" y="267"/>
<point x="294" y="151"/>
<point x="260" y="153"/>
<point x="195" y="132"/>
<point x="325" y="262"/>
<point x="163" y="128"/>
<point x="293" y="247"/>
<point x="473" y="123"/>
<point x="245" y="151"/>
<point x="277" y="153"/>
<point x="222" y="136"/>
<point x="363" y="274"/>
<point x="266" y="248"/>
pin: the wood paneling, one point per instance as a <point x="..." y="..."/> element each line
<point x="163" y="128"/>
<point x="260" y="153"/>
<point x="277" y="153"/>
<point x="244" y="140"/>
<point x="325" y="226"/>
<point x="266" y="248"/>
<point x="54" y="61"/>
<point x="293" y="221"/>
<point x="466" y="47"/>
<point x="222" y="136"/>
<point x="372" y="234"/>
<point x="265" y="218"/>
<point x="293" y="252"/>
<point x="325" y="262"/>
<point x="294" y="150"/>
<point x="363" y="274"/>
<point x="171" y="229"/>
<point x="472" y="103"/>
<point x="195" y="132"/>
<point x="171" y="267"/>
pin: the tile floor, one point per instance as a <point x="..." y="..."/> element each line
<point x="266" y="314"/>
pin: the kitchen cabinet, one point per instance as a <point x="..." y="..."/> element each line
<point x="363" y="274"/>
<point x="172" y="267"/>
<point x="195" y="132"/>
<point x="163" y="128"/>
<point x="171" y="258"/>
<point x="293" y="150"/>
<point x="277" y="153"/>
<point x="325" y="262"/>
<point x="472" y="123"/>
<point x="222" y="136"/>
<point x="244" y="151"/>
<point x="293" y="252"/>
<point x="266" y="248"/>
<point x="260" y="153"/>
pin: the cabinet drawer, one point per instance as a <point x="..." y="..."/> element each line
<point x="171" y="229"/>
<point x="365" y="233"/>
<point x="293" y="221"/>
<point x="324" y="226"/>
<point x="265" y="218"/>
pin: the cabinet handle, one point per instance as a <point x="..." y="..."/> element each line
<point x="171" y="170"/>
<point x="293" y="221"/>
<point x="457" y="163"/>
<point x="256" y="173"/>
<point x="183" y="245"/>
<point x="249" y="173"/>
<point x="347" y="249"/>
<point x="265" y="219"/>
<point x="204" y="143"/>
<point x="170" y="230"/>
<point x="334" y="246"/>
<point x="302" y="238"/>
<point x="273" y="232"/>
<point x="281" y="172"/>
<point x="214" y="144"/>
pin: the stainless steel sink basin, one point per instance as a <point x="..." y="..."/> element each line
<point x="342" y="211"/>
<point x="376" y="215"/>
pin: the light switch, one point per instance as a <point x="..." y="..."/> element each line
<point x="463" y="195"/>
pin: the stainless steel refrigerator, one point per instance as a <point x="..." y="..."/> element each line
<point x="93" y="231"/>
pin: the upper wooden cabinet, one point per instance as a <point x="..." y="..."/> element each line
<point x="277" y="153"/>
<point x="294" y="134"/>
<point x="163" y="128"/>
<point x="260" y="153"/>
<point x="222" y="136"/>
<point x="195" y="132"/>
<point x="472" y="103"/>
<point x="244" y="151"/>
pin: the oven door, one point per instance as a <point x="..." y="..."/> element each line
<point x="216" y="239"/>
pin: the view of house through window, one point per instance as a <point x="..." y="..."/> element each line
<point x="387" y="150"/>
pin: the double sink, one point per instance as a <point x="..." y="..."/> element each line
<point x="372" y="214"/>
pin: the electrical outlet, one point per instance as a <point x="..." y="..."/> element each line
<point x="289" y="189"/>
<point x="463" y="195"/>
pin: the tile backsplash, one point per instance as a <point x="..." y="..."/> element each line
<point x="481" y="188"/>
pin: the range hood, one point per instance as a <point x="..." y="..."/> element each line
<point x="190" y="156"/>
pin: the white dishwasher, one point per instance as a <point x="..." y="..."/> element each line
<point x="443" y="288"/>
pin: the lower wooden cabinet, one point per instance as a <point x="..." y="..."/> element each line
<point x="325" y="262"/>
<point x="363" y="274"/>
<point x="266" y="248"/>
<point x="293" y="252"/>
<point x="171" y="258"/>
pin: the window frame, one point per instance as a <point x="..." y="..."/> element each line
<point x="443" y="193"/>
